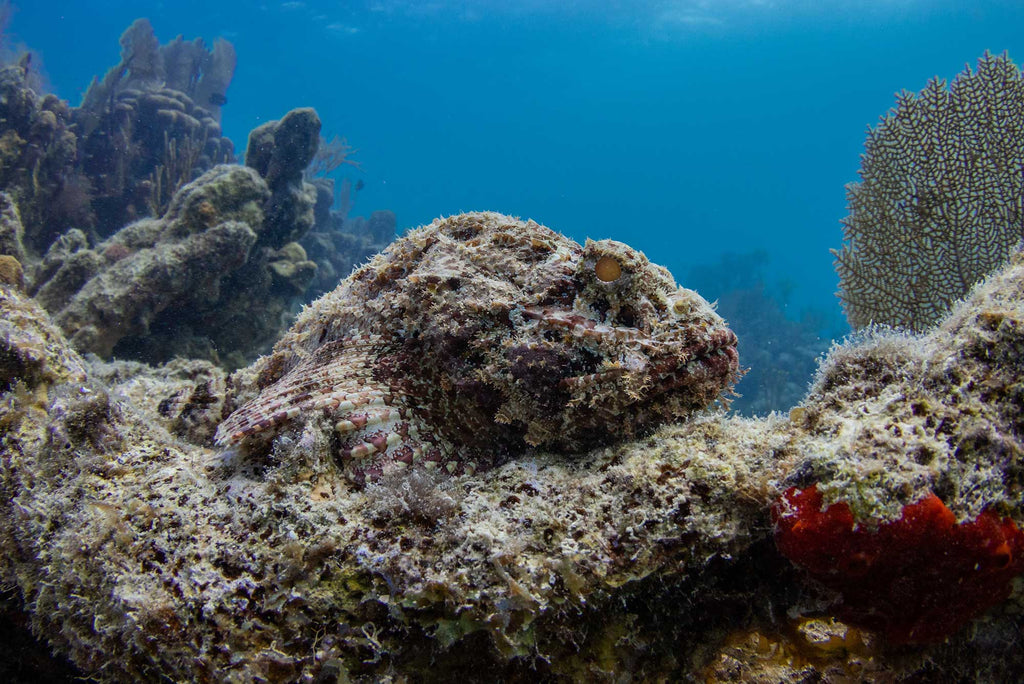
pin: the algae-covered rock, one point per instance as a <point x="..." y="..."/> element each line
<point x="156" y="277"/>
<point x="896" y="416"/>
<point x="11" y="231"/>
<point x="11" y="272"/>
<point x="32" y="350"/>
<point x="194" y="283"/>
<point x="291" y="267"/>
<point x="117" y="289"/>
<point x="647" y="559"/>
<point x="38" y="154"/>
<point x="280" y="151"/>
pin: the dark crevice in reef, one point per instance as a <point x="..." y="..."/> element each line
<point x="24" y="659"/>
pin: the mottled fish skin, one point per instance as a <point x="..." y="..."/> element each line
<point x="479" y="336"/>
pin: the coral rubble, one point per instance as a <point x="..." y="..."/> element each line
<point x="142" y="552"/>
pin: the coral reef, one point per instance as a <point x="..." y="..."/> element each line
<point x="38" y="160"/>
<point x="338" y="243"/>
<point x="146" y="142"/>
<point x="490" y="453"/>
<point x="32" y="350"/>
<point x="479" y="335"/>
<point x="116" y="290"/>
<point x="908" y="519"/>
<point x="281" y="151"/>
<point x="26" y="659"/>
<point x="148" y="128"/>
<point x="144" y="554"/>
<point x="940" y="198"/>
<point x="152" y="124"/>
<point x="779" y="354"/>
<point x="188" y="283"/>
<point x="948" y="404"/>
<point x="185" y="284"/>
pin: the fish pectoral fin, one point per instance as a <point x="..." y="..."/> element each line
<point x="336" y="379"/>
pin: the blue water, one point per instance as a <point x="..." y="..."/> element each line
<point x="683" y="128"/>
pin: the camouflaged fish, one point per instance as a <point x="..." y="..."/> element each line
<point x="474" y="338"/>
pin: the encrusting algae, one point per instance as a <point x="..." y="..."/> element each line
<point x="284" y="556"/>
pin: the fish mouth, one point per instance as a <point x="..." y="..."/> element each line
<point x="649" y="363"/>
<point x="580" y="327"/>
<point x="670" y="367"/>
<point x="713" y="359"/>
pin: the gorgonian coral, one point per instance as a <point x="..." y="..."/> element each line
<point x="940" y="202"/>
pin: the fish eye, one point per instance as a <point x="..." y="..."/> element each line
<point x="607" y="269"/>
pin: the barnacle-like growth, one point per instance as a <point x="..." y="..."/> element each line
<point x="940" y="203"/>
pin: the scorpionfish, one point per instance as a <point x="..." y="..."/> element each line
<point x="473" y="339"/>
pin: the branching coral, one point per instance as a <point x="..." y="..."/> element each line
<point x="330" y="155"/>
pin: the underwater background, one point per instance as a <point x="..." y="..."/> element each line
<point x="482" y="458"/>
<point x="715" y="136"/>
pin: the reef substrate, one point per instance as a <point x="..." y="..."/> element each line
<point x="140" y="551"/>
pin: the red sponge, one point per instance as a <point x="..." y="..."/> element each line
<point x="915" y="580"/>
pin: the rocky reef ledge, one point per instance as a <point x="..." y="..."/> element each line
<point x="871" y="533"/>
